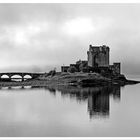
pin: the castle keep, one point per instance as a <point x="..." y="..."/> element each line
<point x="97" y="61"/>
<point x="98" y="56"/>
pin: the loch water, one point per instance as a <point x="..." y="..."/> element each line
<point x="70" y="111"/>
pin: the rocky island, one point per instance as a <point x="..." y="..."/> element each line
<point x="96" y="71"/>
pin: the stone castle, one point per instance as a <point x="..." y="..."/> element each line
<point x="97" y="61"/>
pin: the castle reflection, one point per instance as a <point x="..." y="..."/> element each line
<point x="98" y="102"/>
<point x="97" y="98"/>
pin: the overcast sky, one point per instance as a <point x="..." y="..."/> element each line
<point x="39" y="37"/>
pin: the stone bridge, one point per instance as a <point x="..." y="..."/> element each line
<point x="21" y="74"/>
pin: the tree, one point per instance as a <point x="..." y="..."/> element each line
<point x="83" y="66"/>
<point x="52" y="72"/>
<point x="72" y="69"/>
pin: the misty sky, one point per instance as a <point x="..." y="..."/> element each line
<point x="39" y="37"/>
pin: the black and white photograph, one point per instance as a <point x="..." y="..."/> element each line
<point x="69" y="70"/>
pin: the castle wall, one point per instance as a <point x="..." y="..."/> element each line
<point x="90" y="58"/>
<point x="64" y="68"/>
<point x="116" y="68"/>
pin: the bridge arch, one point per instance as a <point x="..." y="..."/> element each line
<point x="27" y="76"/>
<point x="4" y="76"/>
<point x="16" y="76"/>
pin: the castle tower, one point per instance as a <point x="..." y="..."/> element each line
<point x="98" y="56"/>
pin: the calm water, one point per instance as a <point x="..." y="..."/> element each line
<point x="102" y="111"/>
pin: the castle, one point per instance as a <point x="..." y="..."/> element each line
<point x="97" y="61"/>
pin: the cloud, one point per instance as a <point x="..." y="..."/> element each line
<point x="22" y="34"/>
<point x="40" y="35"/>
<point x="78" y="26"/>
